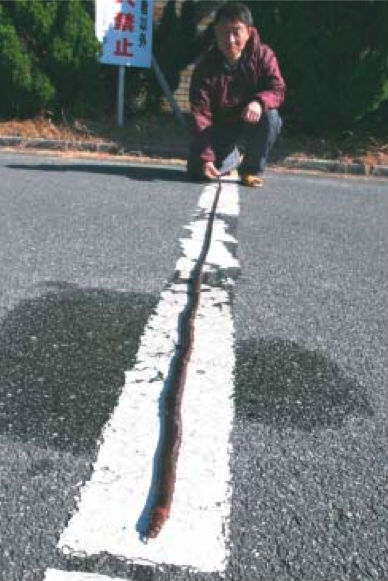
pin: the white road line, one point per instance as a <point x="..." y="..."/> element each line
<point x="112" y="502"/>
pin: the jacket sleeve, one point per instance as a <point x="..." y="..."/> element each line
<point x="272" y="85"/>
<point x="200" y="105"/>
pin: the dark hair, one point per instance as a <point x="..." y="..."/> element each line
<point x="234" y="11"/>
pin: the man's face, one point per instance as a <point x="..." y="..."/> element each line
<point x="232" y="37"/>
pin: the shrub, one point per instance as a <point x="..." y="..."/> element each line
<point x="47" y="57"/>
<point x="333" y="56"/>
<point x="73" y="64"/>
<point x="24" y="89"/>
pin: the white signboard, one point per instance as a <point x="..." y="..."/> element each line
<point x="125" y="29"/>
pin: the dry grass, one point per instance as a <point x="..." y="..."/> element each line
<point x="38" y="127"/>
<point x="165" y="132"/>
<point x="162" y="130"/>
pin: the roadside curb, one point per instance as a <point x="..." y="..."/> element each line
<point x="334" y="166"/>
<point x="180" y="150"/>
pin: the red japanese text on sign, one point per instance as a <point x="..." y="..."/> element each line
<point x="122" y="47"/>
<point x="124" y="22"/>
<point x="125" y="30"/>
<point x="130" y="2"/>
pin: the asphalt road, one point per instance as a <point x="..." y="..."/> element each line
<point x="86" y="247"/>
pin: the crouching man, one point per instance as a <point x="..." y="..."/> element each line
<point x="236" y="90"/>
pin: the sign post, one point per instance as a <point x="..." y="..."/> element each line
<point x="125" y="29"/>
<point x="120" y="96"/>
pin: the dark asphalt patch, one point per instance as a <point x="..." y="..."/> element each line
<point x="284" y="384"/>
<point x="62" y="363"/>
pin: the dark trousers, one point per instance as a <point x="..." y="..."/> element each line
<point x="254" y="140"/>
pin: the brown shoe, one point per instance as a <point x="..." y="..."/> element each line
<point x="252" y="181"/>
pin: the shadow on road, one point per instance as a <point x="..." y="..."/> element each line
<point x="283" y="384"/>
<point x="143" y="173"/>
<point x="62" y="363"/>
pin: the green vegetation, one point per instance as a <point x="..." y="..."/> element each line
<point x="333" y="56"/>
<point x="47" y="57"/>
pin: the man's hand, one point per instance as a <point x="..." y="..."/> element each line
<point x="252" y="112"/>
<point x="210" y="171"/>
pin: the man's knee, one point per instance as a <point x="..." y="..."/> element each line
<point x="273" y="121"/>
<point x="266" y="131"/>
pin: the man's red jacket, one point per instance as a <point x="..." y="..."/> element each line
<point x="218" y="94"/>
